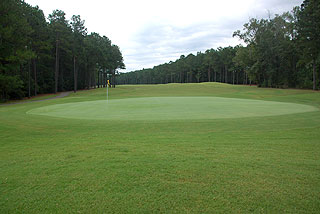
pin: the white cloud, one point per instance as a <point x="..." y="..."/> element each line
<point x="153" y="32"/>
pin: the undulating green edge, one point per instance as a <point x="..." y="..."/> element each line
<point x="170" y="108"/>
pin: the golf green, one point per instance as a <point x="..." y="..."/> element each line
<point x="170" y="108"/>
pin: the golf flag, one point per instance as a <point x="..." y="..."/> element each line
<point x="108" y="85"/>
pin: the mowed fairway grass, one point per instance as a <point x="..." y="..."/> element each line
<point x="176" y="148"/>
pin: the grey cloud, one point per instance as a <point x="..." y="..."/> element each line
<point x="262" y="8"/>
<point x="160" y="42"/>
<point x="281" y="5"/>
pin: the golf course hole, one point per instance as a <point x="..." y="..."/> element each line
<point x="170" y="108"/>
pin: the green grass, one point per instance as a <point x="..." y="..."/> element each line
<point x="260" y="164"/>
<point x="170" y="108"/>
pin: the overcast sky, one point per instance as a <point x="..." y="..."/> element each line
<point x="152" y="32"/>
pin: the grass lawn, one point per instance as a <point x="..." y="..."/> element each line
<point x="159" y="152"/>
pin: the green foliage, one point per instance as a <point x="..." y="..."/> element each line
<point x="278" y="53"/>
<point x="41" y="53"/>
<point x="216" y="65"/>
<point x="15" y="35"/>
<point x="11" y="87"/>
<point x="308" y="28"/>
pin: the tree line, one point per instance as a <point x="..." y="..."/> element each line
<point x="282" y="52"/>
<point x="39" y="55"/>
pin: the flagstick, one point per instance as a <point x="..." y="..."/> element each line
<point x="107" y="94"/>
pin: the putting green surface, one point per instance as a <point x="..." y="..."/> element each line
<point x="170" y="108"/>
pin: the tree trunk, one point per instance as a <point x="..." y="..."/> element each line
<point x="75" y="79"/>
<point x="35" y="76"/>
<point x="319" y="78"/>
<point x="209" y="75"/>
<point x="29" y="79"/>
<point x="89" y="83"/>
<point x="237" y="78"/>
<point x="232" y="77"/>
<point x="94" y="78"/>
<point x="314" y="74"/>
<point x="113" y="78"/>
<point x="61" y="80"/>
<point x="101" y="79"/>
<point x="226" y="73"/>
<point x="198" y="78"/>
<point x="98" y="79"/>
<point x="87" y="76"/>
<point x="56" y="74"/>
<point x="104" y="79"/>
<point x="247" y="78"/>
<point x="244" y="78"/>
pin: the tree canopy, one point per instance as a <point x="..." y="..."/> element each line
<point x="39" y="55"/>
<point x="281" y="51"/>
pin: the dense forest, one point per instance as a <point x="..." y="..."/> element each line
<point x="39" y="55"/>
<point x="282" y="51"/>
<point x="48" y="55"/>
